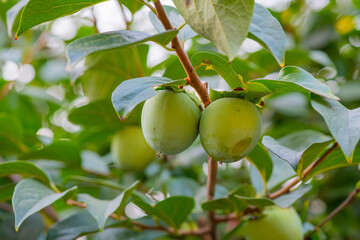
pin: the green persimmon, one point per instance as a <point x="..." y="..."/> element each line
<point x="170" y="121"/>
<point x="230" y="129"/>
<point x="276" y="224"/>
<point x="131" y="150"/>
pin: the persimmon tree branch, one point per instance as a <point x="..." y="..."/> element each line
<point x="351" y="197"/>
<point x="198" y="232"/>
<point x="193" y="79"/>
<point x="296" y="180"/>
<point x="195" y="82"/>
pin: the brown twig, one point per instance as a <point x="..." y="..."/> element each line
<point x="347" y="201"/>
<point x="211" y="183"/>
<point x="296" y="180"/>
<point x="194" y="79"/>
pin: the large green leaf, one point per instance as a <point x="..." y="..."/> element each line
<point x="291" y="156"/>
<point x="225" y="23"/>
<point x="286" y="200"/>
<point x="311" y="154"/>
<point x="336" y="159"/>
<point x="104" y="71"/>
<point x="38" y="11"/>
<point x="82" y="47"/>
<point x="95" y="114"/>
<point x="260" y="158"/>
<point x="31" y="229"/>
<point x="102" y="209"/>
<point x="293" y="78"/>
<point x="65" y="151"/>
<point x="25" y="169"/>
<point x="344" y="124"/>
<point x="132" y="92"/>
<point x="266" y="29"/>
<point x="175" y="210"/>
<point x="11" y="135"/>
<point x="30" y="196"/>
<point x="219" y="64"/>
<point x="298" y="159"/>
<point x="176" y="21"/>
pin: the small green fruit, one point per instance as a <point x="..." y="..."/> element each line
<point x="230" y="129"/>
<point x="276" y="224"/>
<point x="170" y="121"/>
<point x="131" y="150"/>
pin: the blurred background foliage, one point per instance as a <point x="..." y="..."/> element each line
<point x="69" y="114"/>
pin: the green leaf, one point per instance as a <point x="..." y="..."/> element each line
<point x="176" y="21"/>
<point x="38" y="11"/>
<point x="6" y="191"/>
<point x="336" y="159"/>
<point x="311" y="154"/>
<point x="96" y="181"/>
<point x="215" y="95"/>
<point x="95" y="114"/>
<point x="286" y="200"/>
<point x="293" y="78"/>
<point x="175" y="210"/>
<point x="219" y="64"/>
<point x="267" y="30"/>
<point x="132" y="92"/>
<point x="102" y="209"/>
<point x="260" y="158"/>
<point x="289" y="155"/>
<point x="104" y="71"/>
<point x="82" y="47"/>
<point x="225" y="23"/>
<point x="344" y="124"/>
<point x="298" y="159"/>
<point x="65" y="151"/>
<point x="255" y="90"/>
<point x="245" y="190"/>
<point x="219" y="204"/>
<point x="30" y="196"/>
<point x="132" y="5"/>
<point x="79" y="224"/>
<point x="182" y="186"/>
<point x="25" y="169"/>
<point x="31" y="229"/>
<point x="11" y="135"/>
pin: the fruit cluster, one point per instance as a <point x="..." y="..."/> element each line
<point x="229" y="129"/>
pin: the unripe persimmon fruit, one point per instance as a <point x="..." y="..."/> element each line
<point x="230" y="129"/>
<point x="170" y="121"/>
<point x="276" y="224"/>
<point x="131" y="150"/>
